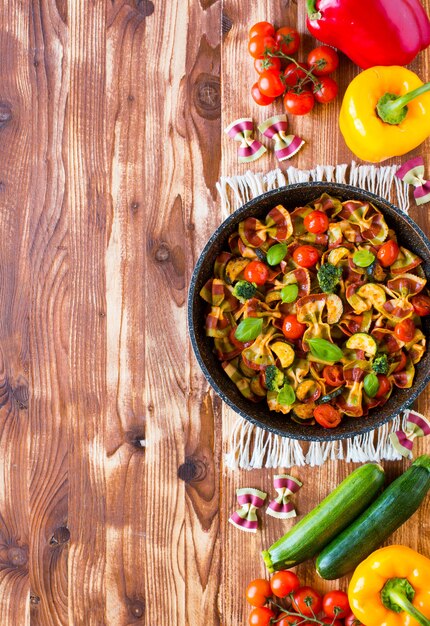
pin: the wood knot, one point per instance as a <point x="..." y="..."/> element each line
<point x="34" y="599"/>
<point x="60" y="536"/>
<point x="130" y="98"/>
<point x="5" y="114"/>
<point x="162" y="253"/>
<point x="146" y="7"/>
<point x="226" y="24"/>
<point x="20" y="393"/>
<point x="136" y="439"/>
<point x="17" y="557"/>
<point x="207" y="96"/>
<point x="194" y="470"/>
<point x="134" y="206"/>
<point x="136" y="608"/>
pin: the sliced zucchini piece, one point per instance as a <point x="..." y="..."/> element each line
<point x="284" y="352"/>
<point x="362" y="341"/>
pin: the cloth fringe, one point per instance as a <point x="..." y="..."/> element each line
<point x="252" y="447"/>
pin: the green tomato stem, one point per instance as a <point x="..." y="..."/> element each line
<point x="313" y="13"/>
<point x="309" y="74"/>
<point x="304" y="618"/>
<point x="392" y="109"/>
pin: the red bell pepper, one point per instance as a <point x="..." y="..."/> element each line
<point x="371" y="32"/>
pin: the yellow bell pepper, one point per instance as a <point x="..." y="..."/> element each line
<point x="385" y="113"/>
<point x="392" y="588"/>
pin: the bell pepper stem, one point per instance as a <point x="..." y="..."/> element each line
<point x="392" y="109"/>
<point x="313" y="13"/>
<point x="401" y="600"/>
<point x="397" y="595"/>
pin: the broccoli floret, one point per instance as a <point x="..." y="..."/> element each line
<point x="328" y="277"/>
<point x="274" y="378"/>
<point x="380" y="364"/>
<point x="243" y="290"/>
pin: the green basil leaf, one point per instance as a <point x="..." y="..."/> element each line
<point x="325" y="350"/>
<point x="249" y="329"/>
<point x="286" y="396"/>
<point x="289" y="293"/>
<point x="363" y="258"/>
<point x="276" y="253"/>
<point x="371" y="385"/>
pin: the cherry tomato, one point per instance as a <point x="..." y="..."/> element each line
<point x="323" y="60"/>
<point x="326" y="91"/>
<point x="260" y="98"/>
<point x="288" y="40"/>
<point x="306" y="256"/>
<point x="262" y="29"/>
<point x="256" y="272"/>
<point x="333" y="375"/>
<point x="307" y="601"/>
<point x="258" y="46"/>
<point x="292" y="328"/>
<point x="327" y="416"/>
<point x="261" y="616"/>
<point x="351" y="620"/>
<point x="293" y="73"/>
<point x="299" y="103"/>
<point x="271" y="63"/>
<point x="405" y="330"/>
<point x="384" y="386"/>
<point x="258" y="592"/>
<point x="283" y="583"/>
<point x="292" y="619"/>
<point x="335" y="604"/>
<point x="402" y="364"/>
<point x="316" y="222"/>
<point x="388" y="253"/>
<point x="329" y="620"/>
<point x="270" y="84"/>
<point x="421" y="304"/>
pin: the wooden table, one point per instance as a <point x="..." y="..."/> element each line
<point x="114" y="498"/>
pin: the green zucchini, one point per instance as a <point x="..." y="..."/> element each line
<point x="393" y="507"/>
<point x="327" y="520"/>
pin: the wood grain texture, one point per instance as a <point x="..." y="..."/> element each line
<point x="114" y="499"/>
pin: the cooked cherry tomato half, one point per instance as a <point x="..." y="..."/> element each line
<point x="316" y="222"/>
<point x="384" y="386"/>
<point x="327" y="416"/>
<point x="256" y="272"/>
<point x="299" y="103"/>
<point x="307" y="601"/>
<point x="259" y="45"/>
<point x="288" y="40"/>
<point x="421" y="304"/>
<point x="270" y="84"/>
<point x="293" y="73"/>
<point x="351" y="620"/>
<point x="323" y="60"/>
<point x="306" y="256"/>
<point x="260" y="98"/>
<point x="284" y="583"/>
<point x="261" y="616"/>
<point x="271" y="63"/>
<point x="333" y="375"/>
<point x="262" y="29"/>
<point x="402" y="364"/>
<point x="405" y="330"/>
<point x="335" y="604"/>
<point x="258" y="592"/>
<point x="292" y="619"/>
<point x="388" y="253"/>
<point x="326" y="90"/>
<point x="292" y="328"/>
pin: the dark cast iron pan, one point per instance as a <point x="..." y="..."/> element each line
<point x="408" y="233"/>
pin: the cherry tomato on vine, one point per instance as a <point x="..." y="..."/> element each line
<point x="264" y="29"/>
<point x="326" y="90"/>
<point x="256" y="272"/>
<point x="288" y="40"/>
<point x="293" y="73"/>
<point x="299" y="103"/>
<point x="421" y="304"/>
<point x="306" y="256"/>
<point x="292" y="328"/>
<point x="258" y="591"/>
<point x="307" y="601"/>
<point x="271" y="63"/>
<point x="402" y="363"/>
<point x="333" y="375"/>
<point x="292" y="619"/>
<point x="384" y="386"/>
<point x="405" y="330"/>
<point x="270" y="84"/>
<point x="261" y="616"/>
<point x="323" y="60"/>
<point x="259" y="45"/>
<point x="329" y="620"/>
<point x="283" y="583"/>
<point x="335" y="604"/>
<point x="351" y="620"/>
<point x="260" y="98"/>
<point x="327" y="416"/>
<point x="316" y="222"/>
<point x="388" y="253"/>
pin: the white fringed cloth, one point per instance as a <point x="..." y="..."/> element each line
<point x="252" y="447"/>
